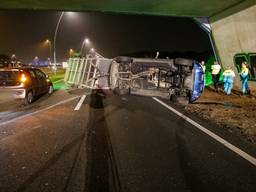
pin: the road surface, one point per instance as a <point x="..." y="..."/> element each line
<point x="128" y="143"/>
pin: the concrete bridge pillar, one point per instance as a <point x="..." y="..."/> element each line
<point x="234" y="31"/>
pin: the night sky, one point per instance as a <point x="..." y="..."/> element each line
<point x="23" y="33"/>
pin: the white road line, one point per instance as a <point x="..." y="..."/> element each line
<point x="33" y="113"/>
<point x="211" y="134"/>
<point x="79" y="104"/>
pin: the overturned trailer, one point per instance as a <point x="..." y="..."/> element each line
<point x="179" y="79"/>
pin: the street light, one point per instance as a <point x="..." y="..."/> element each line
<point x="56" y="32"/>
<point x="13" y="60"/>
<point x="95" y="52"/>
<point x="55" y="36"/>
<point x="35" y="61"/>
<point x="71" y="52"/>
<point x="85" y="42"/>
<point x="48" y="42"/>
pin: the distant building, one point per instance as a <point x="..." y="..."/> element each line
<point x="40" y="63"/>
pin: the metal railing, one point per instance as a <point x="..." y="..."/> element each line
<point x="84" y="72"/>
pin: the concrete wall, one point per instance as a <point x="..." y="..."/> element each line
<point x="233" y="34"/>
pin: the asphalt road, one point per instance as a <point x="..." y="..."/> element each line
<point x="128" y="143"/>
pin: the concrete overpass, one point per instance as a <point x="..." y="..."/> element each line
<point x="233" y="22"/>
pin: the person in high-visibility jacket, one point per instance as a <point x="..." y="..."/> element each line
<point x="216" y="68"/>
<point x="229" y="76"/>
<point x="244" y="74"/>
<point x="204" y="68"/>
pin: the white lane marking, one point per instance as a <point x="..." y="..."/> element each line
<point x="33" y="113"/>
<point x="211" y="134"/>
<point x="79" y="104"/>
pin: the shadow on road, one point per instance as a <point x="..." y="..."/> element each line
<point x="101" y="168"/>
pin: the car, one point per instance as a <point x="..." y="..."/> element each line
<point x="24" y="83"/>
<point x="182" y="79"/>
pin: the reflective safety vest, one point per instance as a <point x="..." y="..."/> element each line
<point x="244" y="73"/>
<point x="216" y="69"/>
<point x="229" y="75"/>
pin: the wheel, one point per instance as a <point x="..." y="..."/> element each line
<point x="179" y="99"/>
<point x="184" y="62"/>
<point x="50" y="91"/>
<point x="172" y="98"/>
<point x="30" y="97"/>
<point x="114" y="75"/>
<point x="122" y="91"/>
<point x="123" y="59"/>
<point x="183" y="100"/>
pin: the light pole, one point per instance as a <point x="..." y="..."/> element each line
<point x="36" y="61"/>
<point x="71" y="52"/>
<point x="13" y="60"/>
<point x="55" y="36"/>
<point x="86" y="41"/>
<point x="49" y="43"/>
<point x="96" y="53"/>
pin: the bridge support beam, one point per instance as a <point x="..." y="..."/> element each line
<point x="235" y="33"/>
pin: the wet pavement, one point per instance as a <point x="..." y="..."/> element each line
<point x="127" y="143"/>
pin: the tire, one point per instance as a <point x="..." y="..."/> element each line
<point x="114" y="75"/>
<point x="184" y="62"/>
<point x="183" y="100"/>
<point x="122" y="91"/>
<point x="29" y="98"/>
<point x="172" y="98"/>
<point x="50" y="90"/>
<point x="123" y="59"/>
<point x="179" y="99"/>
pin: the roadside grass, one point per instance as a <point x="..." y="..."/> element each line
<point x="60" y="85"/>
<point x="56" y="78"/>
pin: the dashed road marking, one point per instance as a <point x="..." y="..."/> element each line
<point x="79" y="104"/>
<point x="233" y="148"/>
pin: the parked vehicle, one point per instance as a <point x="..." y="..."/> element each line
<point x="24" y="83"/>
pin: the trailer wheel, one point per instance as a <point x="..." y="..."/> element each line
<point x="123" y="59"/>
<point x="114" y="75"/>
<point x="179" y="99"/>
<point x="184" y="62"/>
<point x="122" y="91"/>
